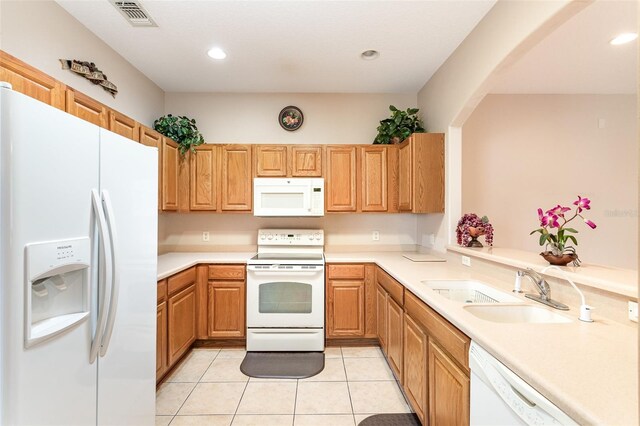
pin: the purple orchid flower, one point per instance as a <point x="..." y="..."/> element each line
<point x="590" y="223"/>
<point x="548" y="219"/>
<point x="582" y="203"/>
<point x="558" y="210"/>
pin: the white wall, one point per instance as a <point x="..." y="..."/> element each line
<point x="41" y="32"/>
<point x="506" y="33"/>
<point x="253" y="118"/>
<point x="521" y="152"/>
<point x="184" y="231"/>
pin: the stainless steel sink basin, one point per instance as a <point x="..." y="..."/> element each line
<point x="516" y="314"/>
<point x="469" y="291"/>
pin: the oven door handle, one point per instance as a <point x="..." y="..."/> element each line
<point x="282" y="271"/>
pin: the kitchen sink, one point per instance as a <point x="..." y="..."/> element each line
<point x="469" y="291"/>
<point x="516" y="314"/>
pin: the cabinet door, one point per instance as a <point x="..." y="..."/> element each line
<point x="123" y="125"/>
<point x="204" y="181"/>
<point x="340" y="179"/>
<point x="394" y="337"/>
<point x="415" y="366"/>
<point x="31" y="82"/>
<point x="86" y="108"/>
<point x="270" y="160"/>
<point x="170" y="169"/>
<point x="373" y="175"/>
<point x="405" y="176"/>
<point x="448" y="389"/>
<point x="226" y="309"/>
<point x="306" y="160"/>
<point x="381" y="319"/>
<point x="182" y="322"/>
<point x="161" y="340"/>
<point x="345" y="308"/>
<point x="236" y="178"/>
<point x="149" y="137"/>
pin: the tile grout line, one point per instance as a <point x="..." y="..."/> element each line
<point x="344" y="366"/>
<point x="194" y="388"/>
<point x="295" y="403"/>
<point x="239" y="402"/>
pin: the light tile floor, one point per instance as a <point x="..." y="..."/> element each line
<point x="208" y="388"/>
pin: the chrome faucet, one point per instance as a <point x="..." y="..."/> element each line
<point x="543" y="289"/>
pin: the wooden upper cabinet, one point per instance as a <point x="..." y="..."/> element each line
<point x="123" y="125"/>
<point x="86" y="108"/>
<point x="270" y="160"/>
<point x="204" y="178"/>
<point x="306" y="160"/>
<point x="149" y="137"/>
<point x="170" y="170"/>
<point x="421" y="173"/>
<point x="31" y="82"/>
<point x="236" y="178"/>
<point x="374" y="178"/>
<point x="340" y="178"/>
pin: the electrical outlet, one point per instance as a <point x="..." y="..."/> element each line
<point x="633" y="311"/>
<point x="466" y="260"/>
<point x="205" y="236"/>
<point x="375" y="235"/>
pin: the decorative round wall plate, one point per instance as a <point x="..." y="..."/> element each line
<point x="290" y="118"/>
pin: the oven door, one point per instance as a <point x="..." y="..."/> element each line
<point x="285" y="296"/>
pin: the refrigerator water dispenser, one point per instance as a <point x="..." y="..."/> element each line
<point x="57" y="287"/>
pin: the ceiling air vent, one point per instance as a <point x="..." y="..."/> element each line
<point x="134" y="13"/>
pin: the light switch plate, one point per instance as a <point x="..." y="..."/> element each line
<point x="205" y="236"/>
<point x="466" y="260"/>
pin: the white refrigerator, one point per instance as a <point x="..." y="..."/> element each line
<point x="78" y="253"/>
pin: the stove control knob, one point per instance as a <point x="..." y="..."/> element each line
<point x="263" y="237"/>
<point x="317" y="236"/>
<point x="270" y="236"/>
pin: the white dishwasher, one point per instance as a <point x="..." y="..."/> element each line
<point x="500" y="397"/>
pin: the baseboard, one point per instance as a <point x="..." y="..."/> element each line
<point x="352" y="341"/>
<point x="230" y="342"/>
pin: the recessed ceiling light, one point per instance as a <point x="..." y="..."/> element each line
<point x="369" y="55"/>
<point x="217" y="53"/>
<point x="624" y="38"/>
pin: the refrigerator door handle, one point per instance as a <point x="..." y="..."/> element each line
<point x="104" y="278"/>
<point x="115" y="278"/>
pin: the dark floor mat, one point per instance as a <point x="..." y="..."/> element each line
<point x="403" y="419"/>
<point x="282" y="365"/>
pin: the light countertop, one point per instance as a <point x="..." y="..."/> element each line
<point x="589" y="370"/>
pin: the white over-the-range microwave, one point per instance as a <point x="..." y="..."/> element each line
<point x="288" y="196"/>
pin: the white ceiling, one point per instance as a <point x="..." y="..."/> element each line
<point x="577" y="57"/>
<point x="287" y="46"/>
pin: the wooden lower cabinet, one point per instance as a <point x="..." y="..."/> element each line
<point x="226" y="309"/>
<point x="394" y="337"/>
<point x="415" y="366"/>
<point x="351" y="301"/>
<point x="448" y="389"/>
<point x="345" y="308"/>
<point x="161" y="340"/>
<point x="381" y="318"/>
<point x="182" y="322"/>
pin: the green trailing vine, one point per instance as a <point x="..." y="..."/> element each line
<point x="399" y="126"/>
<point x="181" y="129"/>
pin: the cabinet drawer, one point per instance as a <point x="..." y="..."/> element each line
<point x="181" y="280"/>
<point x="226" y="272"/>
<point x="393" y="287"/>
<point x="450" y="338"/>
<point x="345" y="271"/>
<point x="162" y="291"/>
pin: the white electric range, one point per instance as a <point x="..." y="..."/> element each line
<point x="285" y="291"/>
